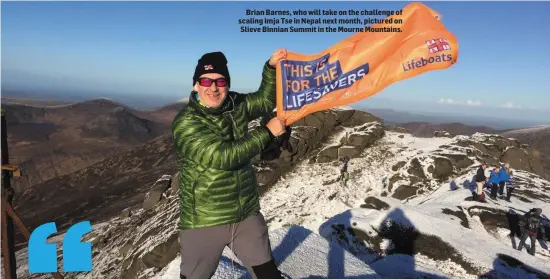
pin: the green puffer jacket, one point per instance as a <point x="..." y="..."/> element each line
<point x="217" y="181"/>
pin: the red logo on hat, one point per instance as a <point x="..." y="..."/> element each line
<point x="208" y="67"/>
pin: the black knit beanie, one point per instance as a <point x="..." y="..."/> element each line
<point x="213" y="62"/>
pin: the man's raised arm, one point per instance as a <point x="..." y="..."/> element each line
<point x="196" y="142"/>
<point x="264" y="100"/>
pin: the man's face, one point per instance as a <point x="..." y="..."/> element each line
<point x="212" y="89"/>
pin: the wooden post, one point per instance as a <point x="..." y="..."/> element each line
<point x="8" y="235"/>
<point x="9" y="215"/>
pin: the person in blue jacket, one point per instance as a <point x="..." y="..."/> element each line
<point x="504" y="176"/>
<point x="494" y="179"/>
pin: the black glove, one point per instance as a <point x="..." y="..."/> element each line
<point x="273" y="150"/>
<point x="284" y="140"/>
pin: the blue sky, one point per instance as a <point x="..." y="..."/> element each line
<point x="150" y="49"/>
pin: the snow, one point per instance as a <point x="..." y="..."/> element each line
<point x="343" y="108"/>
<point x="308" y="197"/>
<point x="483" y="253"/>
<point x="298" y="252"/>
<point x="296" y="199"/>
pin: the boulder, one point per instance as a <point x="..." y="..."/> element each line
<point x="364" y="135"/>
<point x="125" y="213"/>
<point x="443" y="168"/>
<point x="416" y="169"/>
<point x="328" y="154"/>
<point x="398" y="165"/>
<point x="404" y="192"/>
<point x="460" y="161"/>
<point x="155" y="193"/>
<point x="268" y="176"/>
<point x="349" y="151"/>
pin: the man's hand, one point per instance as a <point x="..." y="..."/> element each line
<point x="277" y="56"/>
<point x="276" y="126"/>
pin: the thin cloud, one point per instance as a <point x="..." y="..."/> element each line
<point x="511" y="105"/>
<point x="473" y="103"/>
<point x="457" y="102"/>
<point x="448" y="101"/>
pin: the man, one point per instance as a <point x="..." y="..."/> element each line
<point x="219" y="200"/>
<point x="344" y="171"/>
<point x="509" y="186"/>
<point x="480" y="180"/>
<point x="513" y="222"/>
<point x="533" y="222"/>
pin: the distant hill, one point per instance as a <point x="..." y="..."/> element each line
<point x="391" y="116"/>
<point x="51" y="138"/>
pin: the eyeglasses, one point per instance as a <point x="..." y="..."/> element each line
<point x="207" y="82"/>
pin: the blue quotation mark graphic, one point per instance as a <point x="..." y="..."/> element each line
<point x="77" y="255"/>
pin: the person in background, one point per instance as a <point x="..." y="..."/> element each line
<point x="494" y="179"/>
<point x="503" y="177"/>
<point x="533" y="221"/>
<point x="510" y="185"/>
<point x="480" y="181"/>
<point x="344" y="172"/>
<point x="513" y="221"/>
<point x="219" y="201"/>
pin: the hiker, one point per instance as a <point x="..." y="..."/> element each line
<point x="494" y="179"/>
<point x="513" y="222"/>
<point x="480" y="180"/>
<point x="533" y="221"/>
<point x="509" y="186"/>
<point x="219" y="202"/>
<point x="503" y="177"/>
<point x="344" y="172"/>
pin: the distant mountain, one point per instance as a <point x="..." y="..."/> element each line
<point x="394" y="117"/>
<point x="50" y="138"/>
<point x="426" y="130"/>
<point x="32" y="102"/>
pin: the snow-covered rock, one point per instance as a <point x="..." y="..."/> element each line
<point x="293" y="249"/>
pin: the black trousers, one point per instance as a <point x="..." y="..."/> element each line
<point x="494" y="190"/>
<point x="501" y="188"/>
<point x="524" y="237"/>
<point x="267" y="270"/>
<point x="509" y="191"/>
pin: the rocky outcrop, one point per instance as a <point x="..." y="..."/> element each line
<point x="352" y="142"/>
<point x="156" y="192"/>
<point x="495" y="149"/>
<point x="459" y="155"/>
<point x="310" y="132"/>
<point x="396" y="129"/>
<point x="537" y="141"/>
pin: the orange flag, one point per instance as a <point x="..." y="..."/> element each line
<point x="364" y="63"/>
